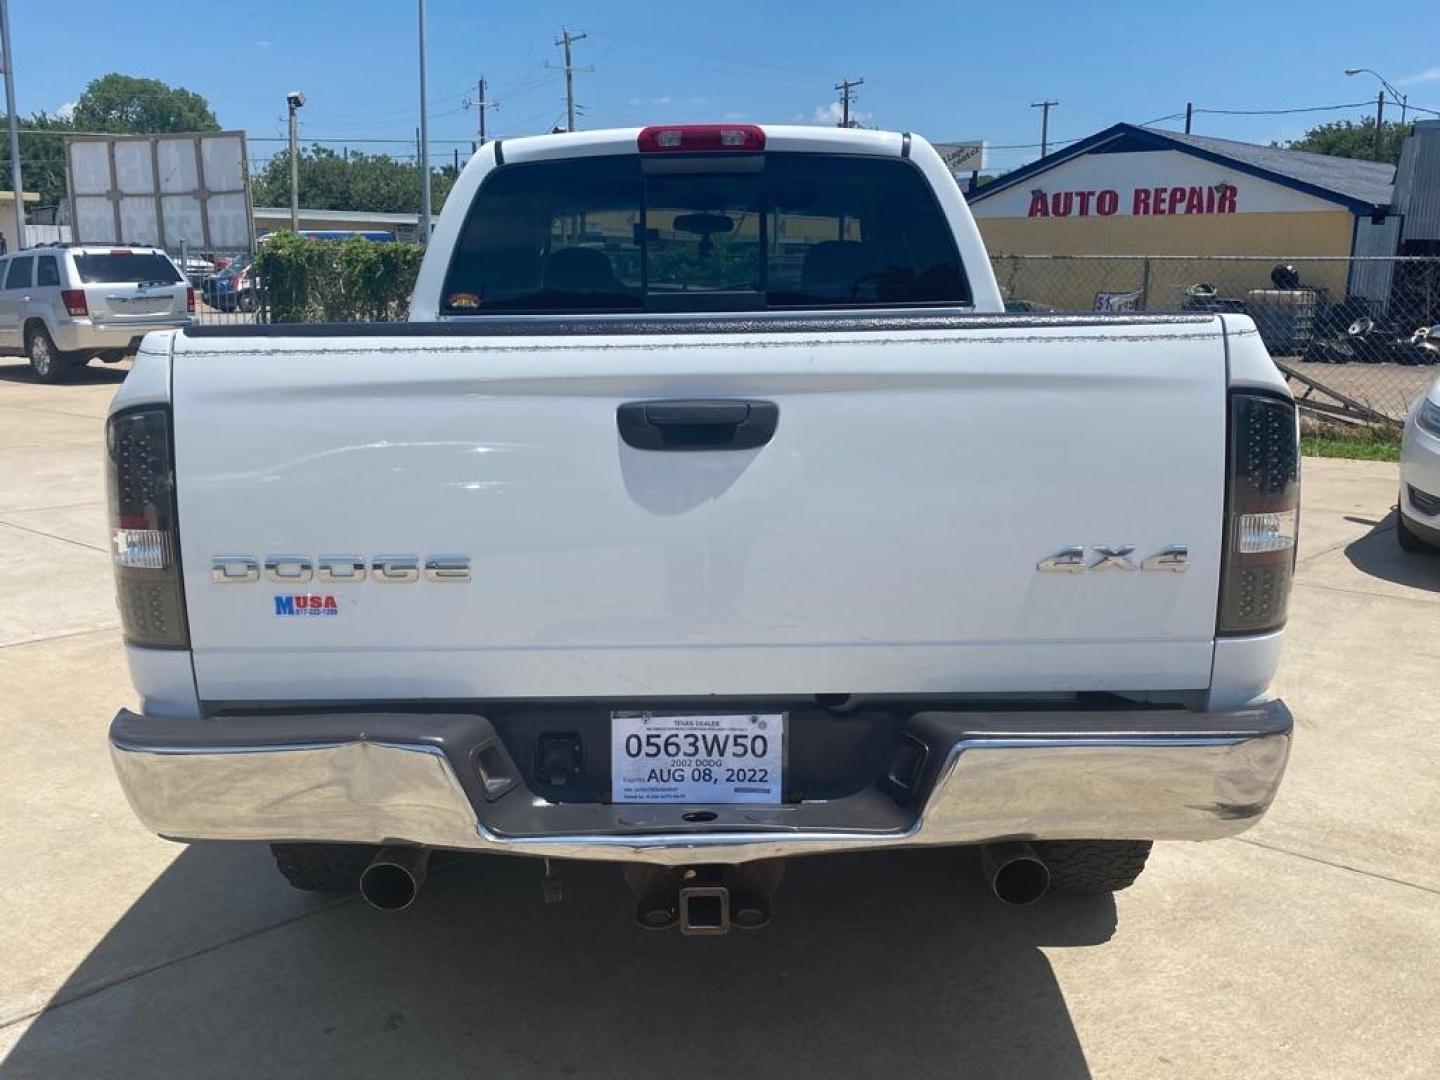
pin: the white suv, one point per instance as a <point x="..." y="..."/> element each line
<point x="61" y="305"/>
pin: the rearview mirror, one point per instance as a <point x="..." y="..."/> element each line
<point x="704" y="224"/>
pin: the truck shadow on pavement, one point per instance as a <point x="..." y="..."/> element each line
<point x="1378" y="555"/>
<point x="894" y="964"/>
<point x="19" y="372"/>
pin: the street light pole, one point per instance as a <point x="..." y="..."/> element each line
<point x="424" y="150"/>
<point x="1403" y="100"/>
<point x="14" y="130"/>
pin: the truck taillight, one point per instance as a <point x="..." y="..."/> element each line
<point x="74" y="301"/>
<point x="190" y="301"/>
<point x="689" y="138"/>
<point x="145" y="544"/>
<point x="1262" y="514"/>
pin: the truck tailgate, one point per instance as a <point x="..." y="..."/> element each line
<point x="886" y="539"/>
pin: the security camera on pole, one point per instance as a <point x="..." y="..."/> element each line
<point x="296" y="100"/>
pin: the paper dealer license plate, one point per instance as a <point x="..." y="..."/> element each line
<point x="691" y="758"/>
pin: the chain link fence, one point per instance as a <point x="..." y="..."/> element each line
<point x="1342" y="329"/>
<point x="223" y="291"/>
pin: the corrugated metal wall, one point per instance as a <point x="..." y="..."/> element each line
<point x="1372" y="280"/>
<point x="1417" y="183"/>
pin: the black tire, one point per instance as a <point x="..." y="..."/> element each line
<point x="1407" y="538"/>
<point x="47" y="363"/>
<point x="323" y="868"/>
<point x="1090" y="867"/>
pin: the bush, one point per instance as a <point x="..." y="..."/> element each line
<point x="351" y="280"/>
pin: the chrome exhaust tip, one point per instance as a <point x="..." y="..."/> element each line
<point x="392" y="880"/>
<point x="1014" y="872"/>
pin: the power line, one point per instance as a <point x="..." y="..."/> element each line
<point x="1286" y="112"/>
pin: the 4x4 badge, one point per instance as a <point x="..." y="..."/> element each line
<point x="1074" y="560"/>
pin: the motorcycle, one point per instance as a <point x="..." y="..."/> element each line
<point x="1367" y="342"/>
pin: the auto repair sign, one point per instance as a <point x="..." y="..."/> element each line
<point x="1152" y="183"/>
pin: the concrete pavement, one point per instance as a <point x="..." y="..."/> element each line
<point x="1308" y="947"/>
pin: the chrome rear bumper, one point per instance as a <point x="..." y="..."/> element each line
<point x="441" y="780"/>
<point x="81" y="335"/>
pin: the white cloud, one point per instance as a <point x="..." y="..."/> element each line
<point x="832" y="114"/>
<point x="67" y="110"/>
<point x="664" y="99"/>
<point x="734" y="116"/>
<point x="263" y="44"/>
<point x="1428" y="75"/>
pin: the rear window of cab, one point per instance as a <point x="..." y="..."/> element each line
<point x="748" y="232"/>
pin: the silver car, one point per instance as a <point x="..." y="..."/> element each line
<point x="1418" y="525"/>
<point x="62" y="305"/>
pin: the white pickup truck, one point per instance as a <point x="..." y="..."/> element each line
<point x="710" y="511"/>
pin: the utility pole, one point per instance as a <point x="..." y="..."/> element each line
<point x="14" y="130"/>
<point x="422" y="157"/>
<point x="846" y="88"/>
<point x="1189" y="112"/>
<point x="481" y="103"/>
<point x="1044" y="107"/>
<point x="1379" y="123"/>
<point x="567" y="39"/>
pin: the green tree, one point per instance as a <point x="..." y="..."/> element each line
<point x="1345" y="138"/>
<point x="377" y="183"/>
<point x="42" y="157"/>
<point x="125" y="104"/>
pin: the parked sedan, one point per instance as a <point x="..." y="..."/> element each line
<point x="1418" y="525"/>
<point x="233" y="289"/>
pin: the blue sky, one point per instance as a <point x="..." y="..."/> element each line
<point x="946" y="70"/>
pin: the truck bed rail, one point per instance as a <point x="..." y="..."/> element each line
<point x="595" y="325"/>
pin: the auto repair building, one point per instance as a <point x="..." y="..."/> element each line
<point x="1141" y="191"/>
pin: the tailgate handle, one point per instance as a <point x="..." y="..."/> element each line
<point x="697" y="424"/>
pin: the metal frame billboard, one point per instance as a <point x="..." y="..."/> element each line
<point x="167" y="190"/>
